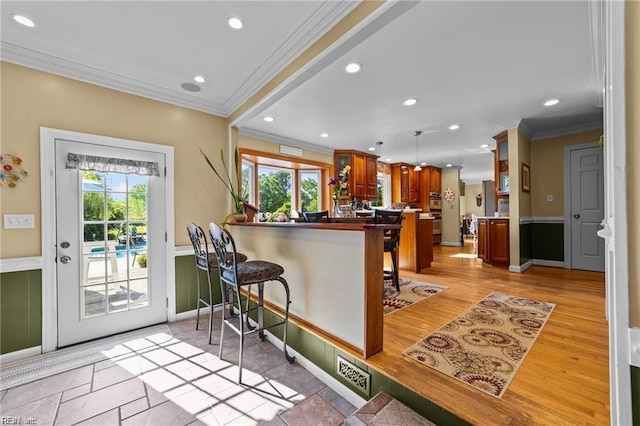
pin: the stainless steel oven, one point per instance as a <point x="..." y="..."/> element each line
<point x="437" y="223"/>
<point x="435" y="201"/>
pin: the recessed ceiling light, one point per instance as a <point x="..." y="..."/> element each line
<point x="23" y="20"/>
<point x="423" y="164"/>
<point x="235" y="23"/>
<point x="388" y="160"/>
<point x="268" y="119"/>
<point x="324" y="135"/>
<point x="353" y="68"/>
<point x="454" y="127"/>
<point x="410" y="101"/>
<point x="372" y="149"/>
<point x="199" y="79"/>
<point x="484" y="145"/>
<point x="552" y="102"/>
<point x="449" y="165"/>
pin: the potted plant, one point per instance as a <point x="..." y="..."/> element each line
<point x="238" y="214"/>
<point x="142" y="260"/>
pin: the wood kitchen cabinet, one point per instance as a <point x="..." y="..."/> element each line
<point x="363" y="178"/>
<point x="493" y="240"/>
<point x="405" y="184"/>
<point x="435" y="174"/>
<point x="501" y="169"/>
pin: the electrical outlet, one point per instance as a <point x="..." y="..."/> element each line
<point x="17" y="221"/>
<point x="550" y="198"/>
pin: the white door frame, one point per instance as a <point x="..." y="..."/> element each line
<point x="568" y="258"/>
<point x="615" y="220"/>
<point x="48" y="137"/>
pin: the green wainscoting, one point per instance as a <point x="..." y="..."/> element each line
<point x="324" y="355"/>
<point x="635" y="395"/>
<point x="525" y="242"/>
<point x="547" y="241"/>
<point x="187" y="284"/>
<point x="20" y="310"/>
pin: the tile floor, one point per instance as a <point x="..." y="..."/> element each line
<point x="176" y="380"/>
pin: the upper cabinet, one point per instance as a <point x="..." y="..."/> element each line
<point x="405" y="184"/>
<point x="430" y="183"/>
<point x="363" y="178"/>
<point x="501" y="171"/>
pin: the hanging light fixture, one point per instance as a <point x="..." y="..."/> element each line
<point x="379" y="143"/>
<point x="417" y="168"/>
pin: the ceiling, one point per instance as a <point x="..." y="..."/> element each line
<point x="485" y="65"/>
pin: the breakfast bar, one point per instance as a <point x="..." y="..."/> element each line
<point x="335" y="273"/>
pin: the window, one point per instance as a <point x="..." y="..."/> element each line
<point x="248" y="173"/>
<point x="275" y="189"/>
<point x="384" y="191"/>
<point x="310" y="193"/>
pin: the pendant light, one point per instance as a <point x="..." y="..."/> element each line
<point x="379" y="143"/>
<point x="417" y="168"/>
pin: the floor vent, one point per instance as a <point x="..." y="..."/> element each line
<point x="360" y="379"/>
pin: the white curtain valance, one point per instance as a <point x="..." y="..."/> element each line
<point x="107" y="164"/>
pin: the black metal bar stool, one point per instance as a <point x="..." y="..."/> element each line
<point x="205" y="262"/>
<point x="391" y="238"/>
<point x="235" y="275"/>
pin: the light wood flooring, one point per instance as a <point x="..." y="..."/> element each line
<point x="564" y="378"/>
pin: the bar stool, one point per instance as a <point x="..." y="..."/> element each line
<point x="391" y="238"/>
<point x="236" y="275"/>
<point x="322" y="216"/>
<point x="204" y="262"/>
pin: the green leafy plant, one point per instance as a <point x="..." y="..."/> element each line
<point x="142" y="260"/>
<point x="238" y="197"/>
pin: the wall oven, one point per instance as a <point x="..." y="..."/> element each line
<point x="435" y="201"/>
<point x="437" y="223"/>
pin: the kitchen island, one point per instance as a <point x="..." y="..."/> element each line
<point x="334" y="271"/>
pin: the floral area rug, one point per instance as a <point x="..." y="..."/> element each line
<point x="485" y="346"/>
<point x="410" y="293"/>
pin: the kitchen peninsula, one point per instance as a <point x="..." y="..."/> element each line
<point x="334" y="271"/>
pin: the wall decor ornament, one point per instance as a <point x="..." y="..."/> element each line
<point x="449" y="195"/>
<point x="11" y="171"/>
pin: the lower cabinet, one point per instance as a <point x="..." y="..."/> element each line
<point x="493" y="240"/>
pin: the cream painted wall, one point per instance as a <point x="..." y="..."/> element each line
<point x="514" y="198"/>
<point x="547" y="171"/>
<point x="524" y="157"/>
<point x="451" y="211"/>
<point x="30" y="99"/>
<point x="470" y="207"/>
<point x="274" y="148"/>
<point x="632" y="26"/>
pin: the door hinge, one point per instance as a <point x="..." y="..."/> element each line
<point x="165" y="172"/>
<point x="167" y="302"/>
<point x="166" y="238"/>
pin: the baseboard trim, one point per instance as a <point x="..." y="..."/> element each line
<point x="21" y="354"/>
<point x="450" y="244"/>
<point x="552" y="263"/>
<point x="520" y="269"/>
<point x="193" y="313"/>
<point x="334" y="384"/>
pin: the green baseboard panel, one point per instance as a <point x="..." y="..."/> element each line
<point x="635" y="395"/>
<point x="547" y="241"/>
<point x="525" y="242"/>
<point x="187" y="284"/>
<point x="20" y="310"/>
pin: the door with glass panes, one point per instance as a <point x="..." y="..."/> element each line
<point x="110" y="240"/>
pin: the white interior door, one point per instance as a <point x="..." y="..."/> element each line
<point x="106" y="222"/>
<point x="587" y="208"/>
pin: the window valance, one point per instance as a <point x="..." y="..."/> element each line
<point x="108" y="164"/>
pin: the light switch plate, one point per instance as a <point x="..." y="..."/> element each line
<point x="17" y="221"/>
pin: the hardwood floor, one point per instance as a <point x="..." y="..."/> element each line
<point x="564" y="380"/>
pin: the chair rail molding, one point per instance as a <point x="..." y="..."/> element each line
<point x="19" y="264"/>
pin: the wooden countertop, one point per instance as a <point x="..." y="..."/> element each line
<point x="336" y="223"/>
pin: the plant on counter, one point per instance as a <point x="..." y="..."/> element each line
<point x="238" y="197"/>
<point x="280" y="215"/>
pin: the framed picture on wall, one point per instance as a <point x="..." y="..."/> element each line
<point x="525" y="178"/>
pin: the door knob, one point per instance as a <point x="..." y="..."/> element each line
<point x="576" y="216"/>
<point x="65" y="259"/>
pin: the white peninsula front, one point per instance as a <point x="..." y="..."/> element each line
<point x="335" y="274"/>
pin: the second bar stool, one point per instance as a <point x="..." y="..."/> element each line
<point x="205" y="261"/>
<point x="237" y="275"/>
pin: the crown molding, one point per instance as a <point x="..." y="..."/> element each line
<point x="525" y="129"/>
<point x="323" y="19"/>
<point x="564" y="131"/>
<point x="284" y="140"/>
<point x="54" y="65"/>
